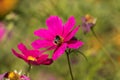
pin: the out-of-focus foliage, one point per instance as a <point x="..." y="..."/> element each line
<point x="30" y="15"/>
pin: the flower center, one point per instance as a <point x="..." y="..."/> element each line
<point x="12" y="76"/>
<point x="58" y="40"/>
<point x="31" y="58"/>
<point x="90" y="19"/>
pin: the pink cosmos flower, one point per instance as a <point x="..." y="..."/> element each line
<point x="13" y="76"/>
<point x="2" y="30"/>
<point x="58" y="36"/>
<point x="34" y="57"/>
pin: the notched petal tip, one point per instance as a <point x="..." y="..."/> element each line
<point x="75" y="44"/>
<point x="18" y="55"/>
<point x="69" y="25"/>
<point x="35" y="45"/>
<point x="54" y="24"/>
<point x="22" y="47"/>
<point x="72" y="19"/>
<point x="72" y="33"/>
<point x="52" y="18"/>
<point x="15" y="53"/>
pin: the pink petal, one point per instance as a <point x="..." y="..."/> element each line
<point x="41" y="44"/>
<point x="54" y="24"/>
<point x="47" y="62"/>
<point x="23" y="77"/>
<point x="49" y="48"/>
<point x="34" y="53"/>
<point x="59" y="51"/>
<point x="43" y="33"/>
<point x="75" y="44"/>
<point x="2" y="31"/>
<point x="22" y="48"/>
<point x="69" y="25"/>
<point x="33" y="63"/>
<point x="2" y="76"/>
<point x="18" y="55"/>
<point x="42" y="58"/>
<point x="72" y="33"/>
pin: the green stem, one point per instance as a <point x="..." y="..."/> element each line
<point x="104" y="49"/>
<point x="82" y="54"/>
<point x="69" y="65"/>
<point x="28" y="70"/>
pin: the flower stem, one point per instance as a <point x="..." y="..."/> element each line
<point x="104" y="49"/>
<point x="28" y="70"/>
<point x="69" y="65"/>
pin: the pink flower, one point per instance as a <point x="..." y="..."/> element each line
<point x="2" y="30"/>
<point x="58" y="36"/>
<point x="34" y="57"/>
<point x="88" y="22"/>
<point x="13" y="76"/>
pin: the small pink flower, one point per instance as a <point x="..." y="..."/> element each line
<point x="2" y="30"/>
<point x="88" y="22"/>
<point x="34" y="57"/>
<point x="13" y="76"/>
<point x="58" y="36"/>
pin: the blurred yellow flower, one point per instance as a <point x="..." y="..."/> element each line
<point x="116" y="40"/>
<point x="6" y="6"/>
<point x="93" y="47"/>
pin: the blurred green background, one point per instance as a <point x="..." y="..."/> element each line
<point x="23" y="17"/>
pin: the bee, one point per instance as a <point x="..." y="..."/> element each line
<point x="58" y="40"/>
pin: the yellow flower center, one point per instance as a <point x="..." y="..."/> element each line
<point x="58" y="40"/>
<point x="90" y="19"/>
<point x="31" y="58"/>
<point x="13" y="76"/>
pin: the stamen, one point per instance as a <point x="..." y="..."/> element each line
<point x="12" y="76"/>
<point x="31" y="58"/>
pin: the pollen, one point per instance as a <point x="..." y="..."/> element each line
<point x="31" y="58"/>
<point x="13" y="76"/>
<point x="58" y="40"/>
